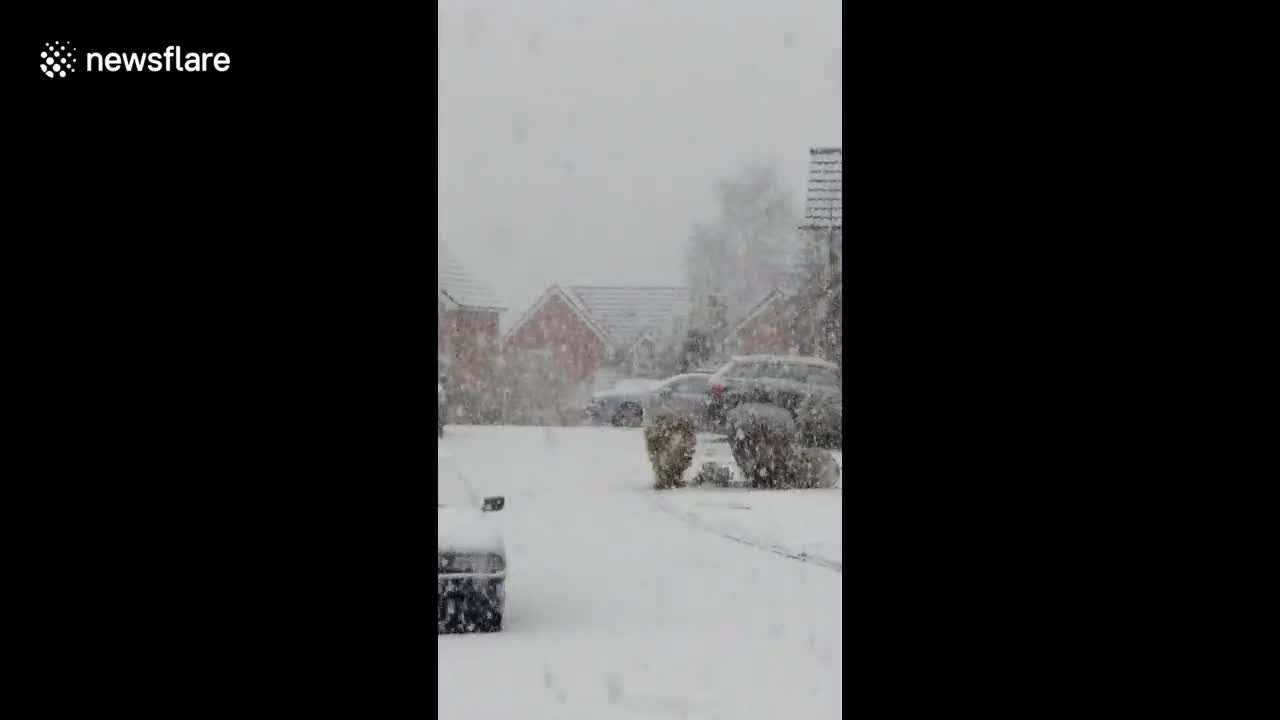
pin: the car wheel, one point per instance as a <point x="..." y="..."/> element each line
<point x="491" y="624"/>
<point x="629" y="415"/>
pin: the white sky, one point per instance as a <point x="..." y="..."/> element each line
<point x="579" y="139"/>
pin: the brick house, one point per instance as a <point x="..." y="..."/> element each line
<point x="582" y="338"/>
<point x="467" y="341"/>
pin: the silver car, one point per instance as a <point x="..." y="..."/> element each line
<point x="622" y="404"/>
<point x="809" y="388"/>
<point x="686" y="394"/>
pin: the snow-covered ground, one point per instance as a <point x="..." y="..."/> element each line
<point x="802" y="524"/>
<point x="623" y="602"/>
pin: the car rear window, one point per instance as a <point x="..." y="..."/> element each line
<point x="746" y="370"/>
<point x="778" y="371"/>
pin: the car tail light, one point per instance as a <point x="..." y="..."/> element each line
<point x="717" y="389"/>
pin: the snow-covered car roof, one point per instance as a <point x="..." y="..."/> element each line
<point x="763" y="370"/>
<point x="638" y="384"/>
<point x="631" y="386"/>
<point x="793" y="359"/>
<point x="685" y="376"/>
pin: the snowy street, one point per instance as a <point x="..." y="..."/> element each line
<point x="626" y="603"/>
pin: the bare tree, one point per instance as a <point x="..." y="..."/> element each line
<point x="746" y="251"/>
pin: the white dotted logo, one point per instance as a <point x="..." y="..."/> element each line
<point x="56" y="60"/>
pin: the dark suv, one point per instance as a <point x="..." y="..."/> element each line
<point x="807" y="387"/>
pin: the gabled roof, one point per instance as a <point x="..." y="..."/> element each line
<point x="617" y="315"/>
<point x="651" y="334"/>
<point x="460" y="288"/>
<point x="824" y="202"/>
<point x="557" y="291"/>
<point x="626" y="312"/>
<point x="757" y="308"/>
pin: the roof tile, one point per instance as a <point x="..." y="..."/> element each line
<point x="625" y="312"/>
<point x="461" y="286"/>
<point x="824" y="204"/>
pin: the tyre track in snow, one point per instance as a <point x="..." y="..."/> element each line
<point x="693" y="520"/>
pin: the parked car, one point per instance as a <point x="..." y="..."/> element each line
<point x="622" y="404"/>
<point x="808" y="388"/>
<point x="471" y="559"/>
<point x="442" y="408"/>
<point x="687" y="394"/>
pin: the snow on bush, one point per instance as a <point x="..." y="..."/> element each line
<point x="764" y="440"/>
<point x="821" y="422"/>
<point x="670" y="439"/>
<point x="816" y="469"/>
<point x="714" y="475"/>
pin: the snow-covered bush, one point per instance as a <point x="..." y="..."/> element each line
<point x="815" y="468"/>
<point x="670" y="439"/>
<point x="821" y="422"/>
<point x="765" y="444"/>
<point x="713" y="474"/>
<point x="763" y="440"/>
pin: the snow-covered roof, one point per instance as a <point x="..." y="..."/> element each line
<point x="459" y="287"/>
<point x="619" y="316"/>
<point x="626" y="312"/>
<point x="824" y="203"/>
<point x="557" y="291"/>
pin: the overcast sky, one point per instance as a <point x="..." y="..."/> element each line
<point x="579" y="139"/>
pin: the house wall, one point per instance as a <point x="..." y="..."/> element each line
<point x="471" y="342"/>
<point x="442" y="340"/>
<point x="575" y="349"/>
<point x="549" y="364"/>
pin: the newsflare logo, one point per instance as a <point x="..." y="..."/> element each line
<point x="58" y="59"/>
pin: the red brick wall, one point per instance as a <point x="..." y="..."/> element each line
<point x="556" y="327"/>
<point x="473" y="354"/>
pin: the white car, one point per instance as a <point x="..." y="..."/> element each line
<point x="471" y="559"/>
